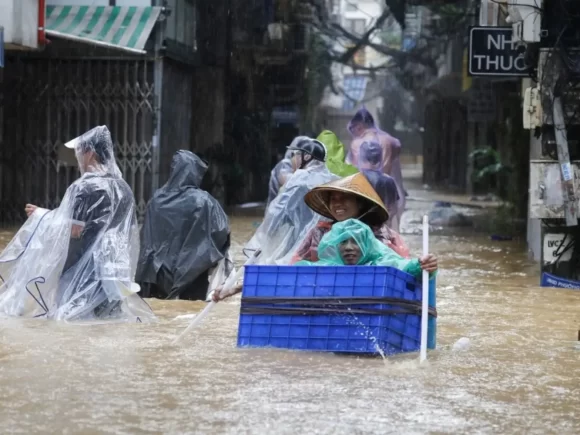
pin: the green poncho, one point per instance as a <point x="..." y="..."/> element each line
<point x="335" y="155"/>
<point x="373" y="252"/>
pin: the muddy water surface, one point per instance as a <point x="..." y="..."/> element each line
<point x="521" y="373"/>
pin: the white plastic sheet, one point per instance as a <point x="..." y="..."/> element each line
<point x="288" y="219"/>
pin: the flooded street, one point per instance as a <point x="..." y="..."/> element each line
<point x="521" y="373"/>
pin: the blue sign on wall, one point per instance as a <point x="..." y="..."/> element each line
<point x="1" y="47"/>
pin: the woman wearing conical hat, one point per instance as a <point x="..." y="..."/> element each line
<point x="340" y="200"/>
<point x="348" y="198"/>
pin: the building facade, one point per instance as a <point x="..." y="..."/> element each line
<point x="354" y="85"/>
<point x="211" y="77"/>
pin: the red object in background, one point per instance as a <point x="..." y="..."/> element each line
<point x="41" y="22"/>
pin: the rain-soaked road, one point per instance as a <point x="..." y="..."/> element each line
<point x="521" y="374"/>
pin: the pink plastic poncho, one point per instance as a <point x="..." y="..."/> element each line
<point x="374" y="149"/>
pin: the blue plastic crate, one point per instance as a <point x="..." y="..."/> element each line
<point x="331" y="331"/>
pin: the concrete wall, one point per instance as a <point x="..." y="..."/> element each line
<point x="20" y="21"/>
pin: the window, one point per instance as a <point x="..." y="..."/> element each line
<point x="357" y="27"/>
<point x="491" y="14"/>
<point x="351" y="7"/>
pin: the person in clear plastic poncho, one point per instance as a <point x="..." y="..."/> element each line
<point x="288" y="219"/>
<point x="363" y="129"/>
<point x="185" y="234"/>
<point x="282" y="171"/>
<point x="77" y="262"/>
<point x="352" y="242"/>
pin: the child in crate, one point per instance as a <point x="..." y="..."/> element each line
<point x="353" y="243"/>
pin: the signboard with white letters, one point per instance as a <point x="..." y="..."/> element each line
<point x="493" y="52"/>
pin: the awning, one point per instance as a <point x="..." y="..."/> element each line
<point x="125" y="28"/>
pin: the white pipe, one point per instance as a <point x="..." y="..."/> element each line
<point x="229" y="284"/>
<point x="425" y="305"/>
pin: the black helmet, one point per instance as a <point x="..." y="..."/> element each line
<point x="313" y="147"/>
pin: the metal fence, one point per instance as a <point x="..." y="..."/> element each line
<point x="44" y="102"/>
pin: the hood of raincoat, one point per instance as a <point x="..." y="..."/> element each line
<point x="288" y="219"/>
<point x="336" y="154"/>
<point x="373" y="252"/>
<point x="187" y="170"/>
<point x="362" y="116"/>
<point x="94" y="151"/>
<point x="371" y="249"/>
<point x="78" y="262"/>
<point x="185" y="233"/>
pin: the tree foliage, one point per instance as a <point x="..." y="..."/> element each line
<point x="447" y="21"/>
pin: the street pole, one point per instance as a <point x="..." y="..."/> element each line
<point x="566" y="170"/>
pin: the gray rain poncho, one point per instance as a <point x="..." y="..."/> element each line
<point x="288" y="219"/>
<point x="77" y="262"/>
<point x="185" y="234"/>
<point x="281" y="172"/>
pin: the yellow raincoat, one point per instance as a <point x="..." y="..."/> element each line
<point x="335" y="155"/>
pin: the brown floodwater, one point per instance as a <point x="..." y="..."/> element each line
<point x="520" y="374"/>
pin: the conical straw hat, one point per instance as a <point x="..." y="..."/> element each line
<point x="318" y="198"/>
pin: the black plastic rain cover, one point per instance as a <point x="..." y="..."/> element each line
<point x="185" y="233"/>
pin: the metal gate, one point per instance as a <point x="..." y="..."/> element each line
<point x="46" y="102"/>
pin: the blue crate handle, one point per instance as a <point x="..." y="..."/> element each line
<point x="262" y="305"/>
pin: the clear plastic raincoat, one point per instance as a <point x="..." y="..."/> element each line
<point x="77" y="262"/>
<point x="185" y="234"/>
<point x="372" y="251"/>
<point x="288" y="219"/>
<point x="374" y="149"/>
<point x="282" y="172"/>
<point x="335" y="160"/>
